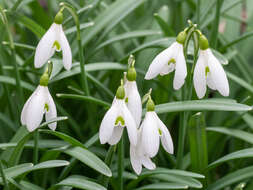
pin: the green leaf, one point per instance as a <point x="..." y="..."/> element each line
<point x="201" y="105"/>
<point x="158" y="186"/>
<point x="82" y="27"/>
<point x="30" y="186"/>
<point x="12" y="81"/>
<point x="53" y="120"/>
<point x="164" y="26"/>
<point x="89" y="159"/>
<point x="245" y="136"/>
<point x="80" y="182"/>
<point x="50" y="164"/>
<point x="85" y="98"/>
<point x="245" y="153"/>
<point x="231" y="178"/>
<point x="64" y="137"/>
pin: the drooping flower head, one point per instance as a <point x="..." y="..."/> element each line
<point x="115" y="119"/>
<point x="169" y="60"/>
<point x="209" y="72"/>
<point x="53" y="40"/>
<point x="153" y="129"/>
<point x="133" y="99"/>
<point x="38" y="104"/>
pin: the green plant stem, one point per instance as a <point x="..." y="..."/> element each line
<point x="215" y="26"/>
<point x="15" y="6"/>
<point x="36" y="148"/>
<point x="198" y="11"/>
<point x="3" y="176"/>
<point x="120" y="162"/>
<point x="84" y="81"/>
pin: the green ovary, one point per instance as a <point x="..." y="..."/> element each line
<point x="121" y="120"/>
<point x="57" y="45"/>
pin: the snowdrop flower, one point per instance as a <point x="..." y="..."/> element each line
<point x="53" y="40"/>
<point x="169" y="60"/>
<point x="208" y="71"/>
<point x="39" y="103"/>
<point x="138" y="156"/>
<point x="153" y="129"/>
<point x="115" y="119"/>
<point x="133" y="99"/>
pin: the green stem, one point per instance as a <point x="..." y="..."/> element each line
<point x="198" y="11"/>
<point x="36" y="149"/>
<point x="214" y="33"/>
<point x="15" y="6"/>
<point x="84" y="81"/>
<point x="108" y="162"/>
<point x="121" y="162"/>
<point x="3" y="176"/>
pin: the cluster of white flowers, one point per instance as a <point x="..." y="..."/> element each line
<point x="208" y="70"/>
<point x="126" y="111"/>
<point x="41" y="102"/>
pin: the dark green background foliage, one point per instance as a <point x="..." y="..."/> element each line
<point x="217" y="142"/>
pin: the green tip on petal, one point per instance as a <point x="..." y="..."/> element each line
<point x="120" y="94"/>
<point x="181" y="37"/>
<point x="121" y="120"/>
<point x="203" y="42"/>
<point x="44" y="79"/>
<point x="131" y="74"/>
<point x="150" y="105"/>
<point x="58" y="19"/>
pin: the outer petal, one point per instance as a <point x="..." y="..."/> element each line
<point x="51" y="113"/>
<point x="24" y="110"/>
<point x="116" y="135"/>
<point x="35" y="109"/>
<point x="147" y="162"/>
<point x="150" y="135"/>
<point x="44" y="49"/>
<point x="165" y="138"/>
<point x="66" y="51"/>
<point x="199" y="76"/>
<point x="135" y="159"/>
<point x="218" y="74"/>
<point x="134" y="101"/>
<point x="209" y="82"/>
<point x="167" y="69"/>
<point x="159" y="62"/>
<point x="181" y="70"/>
<point x="130" y="125"/>
<point x="107" y="124"/>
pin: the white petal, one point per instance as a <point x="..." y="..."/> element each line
<point x="66" y="51"/>
<point x="150" y="135"/>
<point x="218" y="74"/>
<point x="147" y="162"/>
<point x="199" y="75"/>
<point x="135" y="159"/>
<point x="107" y="124"/>
<point x="180" y="70"/>
<point x="52" y="113"/>
<point x="24" y="110"/>
<point x="166" y="137"/>
<point x="116" y="135"/>
<point x="130" y="125"/>
<point x="35" y="109"/>
<point x="44" y="49"/>
<point x="159" y="62"/>
<point x="209" y="81"/>
<point x="167" y="69"/>
<point x="134" y="101"/>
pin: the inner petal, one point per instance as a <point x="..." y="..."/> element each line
<point x="57" y="46"/>
<point x="120" y="121"/>
<point x="46" y="107"/>
<point x="168" y="68"/>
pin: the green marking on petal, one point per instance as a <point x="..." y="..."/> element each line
<point x="57" y="45"/>
<point x="121" y="120"/>
<point x="207" y="70"/>
<point x="160" y="132"/>
<point x="126" y="100"/>
<point x="172" y="61"/>
<point x="46" y="107"/>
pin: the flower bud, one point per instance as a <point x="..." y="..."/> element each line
<point x="58" y="19"/>
<point x="181" y="37"/>
<point x="120" y="94"/>
<point x="150" y="105"/>
<point x="203" y="42"/>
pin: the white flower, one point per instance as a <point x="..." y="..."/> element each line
<point x="54" y="39"/>
<point x="208" y="71"/>
<point x="40" y="102"/>
<point x="138" y="157"/>
<point x="152" y="130"/>
<point x="114" y="121"/>
<point x="133" y="100"/>
<point x="167" y="61"/>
